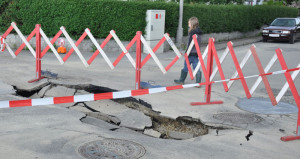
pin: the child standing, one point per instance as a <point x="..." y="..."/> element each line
<point x="193" y="56"/>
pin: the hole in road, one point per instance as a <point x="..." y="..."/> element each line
<point x="167" y="128"/>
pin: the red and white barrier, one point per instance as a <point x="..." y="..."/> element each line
<point x="119" y="94"/>
<point x="207" y="70"/>
<point x="2" y="46"/>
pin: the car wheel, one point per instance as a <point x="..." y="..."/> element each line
<point x="292" y="39"/>
<point x="265" y="39"/>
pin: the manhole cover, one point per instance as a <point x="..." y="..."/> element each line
<point x="264" y="106"/>
<point x="240" y="118"/>
<point x="112" y="148"/>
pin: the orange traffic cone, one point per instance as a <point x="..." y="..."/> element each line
<point x="61" y="50"/>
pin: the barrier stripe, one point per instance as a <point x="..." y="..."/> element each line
<point x="214" y="51"/>
<point x="101" y="96"/>
<point x="121" y="94"/>
<point x="201" y="58"/>
<point x="242" y="64"/>
<point x="153" y="55"/>
<point x="83" y="98"/>
<point x="115" y="95"/>
<point x="66" y="99"/>
<point x="174" y="87"/>
<point x="239" y="70"/>
<point x="171" y="43"/>
<point x="161" y="41"/>
<point x="187" y="61"/>
<point x="139" y="92"/>
<point x="23" y="44"/>
<point x="291" y="84"/>
<point x="172" y="63"/>
<point x="199" y="64"/>
<point x="264" y="78"/>
<point x="4" y="104"/>
<point x="42" y="101"/>
<point x="23" y="39"/>
<point x="7" y="31"/>
<point x="225" y="53"/>
<point x="127" y="48"/>
<point x="286" y="85"/>
<point x="20" y="103"/>
<point x="10" y="50"/>
<point x="57" y="35"/>
<point x="267" y="68"/>
<point x="112" y="32"/>
<point x="106" y="40"/>
<point x="2" y="44"/>
<point x="51" y="46"/>
<point x="99" y="48"/>
<point x="288" y="76"/>
<point x="74" y="46"/>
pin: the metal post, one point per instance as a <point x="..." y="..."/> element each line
<point x="138" y="61"/>
<point x="38" y="54"/>
<point x="207" y="75"/>
<point x="209" y="71"/>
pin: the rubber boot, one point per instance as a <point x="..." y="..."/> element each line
<point x="182" y="78"/>
<point x="198" y="78"/>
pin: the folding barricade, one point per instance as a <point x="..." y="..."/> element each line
<point x="208" y="71"/>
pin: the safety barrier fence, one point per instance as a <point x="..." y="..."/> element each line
<point x="208" y="71"/>
<point x="138" y="39"/>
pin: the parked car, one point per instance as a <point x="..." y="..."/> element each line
<point x="282" y="29"/>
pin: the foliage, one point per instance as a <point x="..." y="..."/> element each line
<point x="229" y="18"/>
<point x="100" y="16"/>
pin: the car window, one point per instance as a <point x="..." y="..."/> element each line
<point x="297" y="21"/>
<point x="284" y="22"/>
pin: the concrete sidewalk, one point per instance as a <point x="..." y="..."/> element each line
<point x="56" y="132"/>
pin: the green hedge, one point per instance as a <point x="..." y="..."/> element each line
<point x="128" y="17"/>
<point x="229" y="18"/>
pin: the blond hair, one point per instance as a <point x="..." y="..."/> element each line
<point x="194" y="23"/>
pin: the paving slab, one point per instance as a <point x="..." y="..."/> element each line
<point x="134" y="119"/>
<point x="6" y="89"/>
<point x="59" y="91"/>
<point x="129" y="118"/>
<point x="43" y="91"/>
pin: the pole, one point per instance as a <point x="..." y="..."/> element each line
<point x="180" y="29"/>
<point x="38" y="51"/>
<point x="209" y="70"/>
<point x="138" y="61"/>
<point x="38" y="70"/>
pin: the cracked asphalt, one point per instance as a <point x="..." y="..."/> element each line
<point x="57" y="132"/>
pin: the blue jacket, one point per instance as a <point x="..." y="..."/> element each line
<point x="198" y="32"/>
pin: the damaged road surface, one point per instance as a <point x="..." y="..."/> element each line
<point x="127" y="112"/>
<point x="56" y="132"/>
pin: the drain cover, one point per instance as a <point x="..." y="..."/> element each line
<point x="112" y="148"/>
<point x="239" y="118"/>
<point x="264" y="106"/>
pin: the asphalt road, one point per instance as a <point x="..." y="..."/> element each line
<point x="56" y="132"/>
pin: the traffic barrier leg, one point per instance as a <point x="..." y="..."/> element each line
<point x="239" y="70"/>
<point x="38" y="55"/>
<point x="138" y="61"/>
<point x="264" y="78"/>
<point x="207" y="73"/>
<point x="294" y="92"/>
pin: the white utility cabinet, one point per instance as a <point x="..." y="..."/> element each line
<point x="155" y="29"/>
